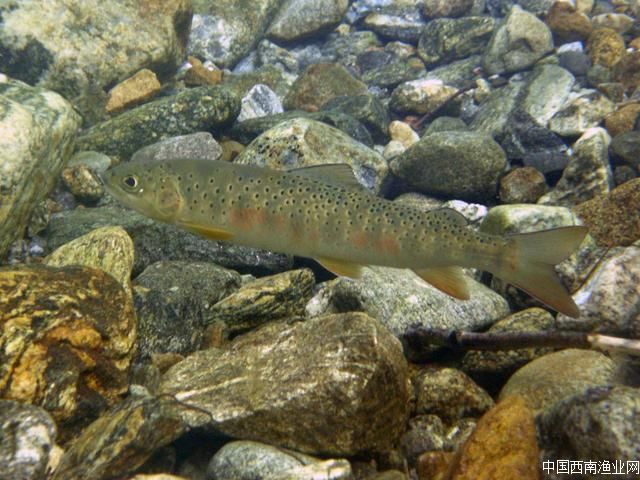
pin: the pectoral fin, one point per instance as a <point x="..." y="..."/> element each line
<point x="211" y="233"/>
<point x="341" y="267"/>
<point x="449" y="280"/>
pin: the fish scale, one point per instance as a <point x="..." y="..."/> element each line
<point x="323" y="213"/>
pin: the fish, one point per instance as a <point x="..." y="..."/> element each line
<point x="322" y="212"/>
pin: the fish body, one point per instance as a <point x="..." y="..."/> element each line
<point x="322" y="213"/>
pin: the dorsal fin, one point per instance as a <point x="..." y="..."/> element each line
<point x="334" y="173"/>
<point x="450" y="215"/>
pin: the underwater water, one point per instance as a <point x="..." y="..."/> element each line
<point x="296" y="239"/>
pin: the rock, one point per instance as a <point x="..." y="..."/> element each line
<point x="194" y="145"/>
<point x="27" y="437"/>
<point x="557" y="376"/>
<point x="72" y="324"/>
<point x="622" y="120"/>
<point x="575" y="61"/>
<point x="460" y="73"/>
<point x="259" y="102"/>
<point x="225" y="31"/>
<point x="173" y="299"/>
<point x="320" y="83"/>
<point x="121" y="440"/>
<point x="433" y="465"/>
<point x="299" y="19"/>
<point x="393" y="149"/>
<point x="393" y="73"/>
<point x="546" y="92"/>
<point x="605" y="47"/>
<point x="494" y="113"/>
<point x="448" y="39"/>
<point x="619" y="22"/>
<point x="449" y="394"/>
<point x="189" y="111"/>
<point x="38" y="129"/>
<point x="367" y="109"/>
<point x="329" y="469"/>
<point x="230" y="150"/>
<point x="609" y="300"/>
<point x="522" y="185"/>
<point x="627" y="147"/>
<point x="582" y="111"/>
<point x="95" y="161"/>
<point x="627" y="71"/>
<point x="82" y="48"/>
<point x="200" y="75"/>
<point x="462" y="165"/>
<point x="567" y="430"/>
<point x="244" y="459"/>
<point x="400" y="301"/>
<point x="567" y="24"/>
<point x="623" y="174"/>
<point x="499" y="8"/>
<point x="490" y="368"/>
<point x="270" y="75"/>
<point x="154" y="241"/>
<point x="503" y="446"/>
<point x="424" y="433"/>
<point x="83" y="184"/>
<point x="445" y="124"/>
<point x="107" y="248"/>
<point x="284" y="295"/>
<point x="403" y="133"/>
<point x="405" y="27"/>
<point x="613" y="219"/>
<point x="247" y="131"/>
<point x="444" y="8"/>
<point x="421" y="96"/>
<point x="134" y="90"/>
<point x="302" y="143"/>
<point x="341" y="376"/>
<point x="588" y="173"/>
<point x="517" y="44"/>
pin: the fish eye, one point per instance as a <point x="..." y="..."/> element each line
<point x="130" y="181"/>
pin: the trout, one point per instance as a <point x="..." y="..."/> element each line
<point x="322" y="212"/>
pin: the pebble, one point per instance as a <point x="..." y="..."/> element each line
<point x="522" y="185"/>
<point x="135" y="90"/>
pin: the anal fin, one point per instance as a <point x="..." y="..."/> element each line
<point x="449" y="280"/>
<point x="211" y="233"/>
<point x="341" y="267"/>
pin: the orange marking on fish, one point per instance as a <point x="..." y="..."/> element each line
<point x="360" y="239"/>
<point x="387" y="244"/>
<point x="246" y="218"/>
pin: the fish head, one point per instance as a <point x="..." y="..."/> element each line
<point x="149" y="188"/>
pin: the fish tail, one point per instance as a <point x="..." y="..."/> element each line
<point x="531" y="265"/>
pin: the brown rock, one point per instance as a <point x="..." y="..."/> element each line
<point x="622" y="120"/>
<point x="567" y="24"/>
<point x="121" y="440"/>
<point x="133" y="91"/>
<point x="82" y="183"/>
<point x="522" y="185"/>
<point x="502" y="447"/>
<point x="198" y="74"/>
<point x="613" y="219"/>
<point x="627" y="71"/>
<point x="67" y="336"/>
<point x="433" y="465"/>
<point x="605" y="47"/>
<point x="318" y="84"/>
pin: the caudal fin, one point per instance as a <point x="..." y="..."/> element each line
<point x="532" y="269"/>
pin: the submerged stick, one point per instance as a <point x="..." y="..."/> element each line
<point x="495" y="341"/>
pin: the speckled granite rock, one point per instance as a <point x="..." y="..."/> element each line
<point x="301" y="142"/>
<point x="121" y="440"/>
<point x="582" y="111"/>
<point x="68" y="336"/>
<point x="284" y="295"/>
<point x="155" y="241"/>
<point x="83" y="184"/>
<point x="37" y="130"/>
<point x="556" y="376"/>
<point x="547" y="90"/>
<point x="189" y="111"/>
<point x="503" y="446"/>
<point x="79" y="48"/>
<point x="194" y="145"/>
<point x="400" y="300"/>
<point x="320" y="83"/>
<point x="450" y="394"/>
<point x="461" y="165"/>
<point x="27" y="435"/>
<point x="298" y="19"/>
<point x="224" y="31"/>
<point x="107" y="248"/>
<point x="569" y="429"/>
<point x="421" y="96"/>
<point x="342" y="377"/>
<point x="173" y="299"/>
<point x="519" y="42"/>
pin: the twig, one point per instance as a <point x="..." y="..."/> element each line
<point x="419" y="336"/>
